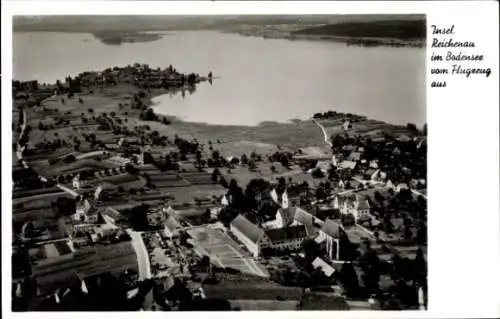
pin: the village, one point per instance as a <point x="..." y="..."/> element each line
<point x="110" y="196"/>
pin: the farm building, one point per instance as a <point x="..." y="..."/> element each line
<point x="249" y="234"/>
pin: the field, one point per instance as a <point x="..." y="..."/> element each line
<point x="188" y="194"/>
<point x="75" y="167"/>
<point x="234" y="140"/>
<point x="56" y="272"/>
<point x="224" y="251"/>
<point x="243" y="175"/>
<point x="35" y="192"/>
<point x="372" y="128"/>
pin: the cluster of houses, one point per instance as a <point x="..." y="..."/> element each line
<point x="292" y="225"/>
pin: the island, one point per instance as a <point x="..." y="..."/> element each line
<point x="116" y="207"/>
<point x="117" y="38"/>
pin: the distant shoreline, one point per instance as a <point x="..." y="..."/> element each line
<point x="350" y="41"/>
<point x="117" y="38"/>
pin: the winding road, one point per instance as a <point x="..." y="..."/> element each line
<point x="323" y="130"/>
<point x="19" y="154"/>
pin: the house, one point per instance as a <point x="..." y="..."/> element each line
<point x="82" y="207"/>
<point x="330" y="234"/>
<point x="104" y="188"/>
<point x="249" y="234"/>
<point x="341" y="184"/>
<point x="354" y="156"/>
<point x="119" y="160"/>
<point x="378" y="176"/>
<point x="77" y="182"/>
<point x="286" y="238"/>
<point x="85" y="213"/>
<point x="347" y="125"/>
<point x="312" y="223"/>
<point x="324" y="266"/>
<point x="389" y="184"/>
<point x="374" y="164"/>
<point x="401" y="186"/>
<point x="347" y="164"/>
<point x="156" y="218"/>
<point x="324" y="166"/>
<point x="294" y="216"/>
<point x="172" y="227"/>
<point x="284" y="217"/>
<point x="325" y="211"/>
<point x="352" y="204"/>
<point x="112" y="215"/>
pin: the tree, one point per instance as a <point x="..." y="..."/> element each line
<point x="251" y="165"/>
<point x="349" y="280"/>
<point x="64" y="206"/>
<point x="284" y="161"/>
<point x="69" y="159"/>
<point x="244" y="159"/>
<point x="411" y="127"/>
<point x="311" y="250"/>
<point x="131" y="169"/>
<point x="317" y="173"/>
<point x="223" y="182"/>
<point x="215" y="175"/>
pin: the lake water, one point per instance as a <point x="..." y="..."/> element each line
<point x="259" y="79"/>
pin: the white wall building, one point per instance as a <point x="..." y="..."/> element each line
<point x="352" y="204"/>
<point x="331" y="233"/>
<point x="249" y="234"/>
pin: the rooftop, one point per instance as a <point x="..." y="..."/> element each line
<point x="249" y="229"/>
<point x="288" y="233"/>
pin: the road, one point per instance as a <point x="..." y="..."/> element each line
<point x="90" y="154"/>
<point x="327" y="140"/>
<point x="19" y="154"/>
<point x="418" y="193"/>
<point x="142" y="254"/>
<point x="20" y="149"/>
<point x="67" y="190"/>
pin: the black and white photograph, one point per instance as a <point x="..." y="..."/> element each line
<point x="242" y="162"/>
<point x="210" y="157"/>
<point x="239" y="162"/>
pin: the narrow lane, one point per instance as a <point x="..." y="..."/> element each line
<point x="142" y="254"/>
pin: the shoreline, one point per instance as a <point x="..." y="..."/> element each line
<point x="291" y="134"/>
<point x="156" y="35"/>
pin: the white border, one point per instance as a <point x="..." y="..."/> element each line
<point x="463" y="152"/>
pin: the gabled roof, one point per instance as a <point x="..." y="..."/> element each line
<point x="247" y="228"/>
<point x="354" y="156"/>
<point x="288" y="233"/>
<point x="307" y="220"/>
<point x="348" y="164"/>
<point x="172" y="223"/>
<point x="364" y="204"/>
<point x="326" y="268"/>
<point x="332" y="228"/>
